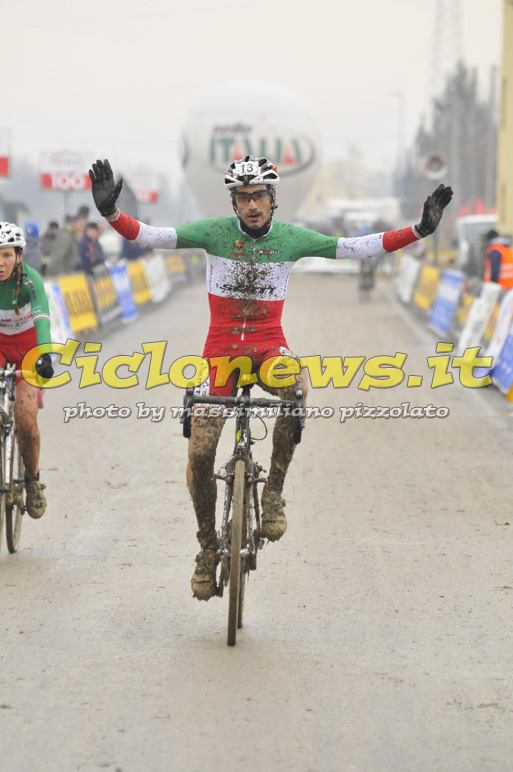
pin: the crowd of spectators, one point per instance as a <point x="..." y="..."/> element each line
<point x="73" y="246"/>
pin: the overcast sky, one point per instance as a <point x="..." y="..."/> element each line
<point x="119" y="77"/>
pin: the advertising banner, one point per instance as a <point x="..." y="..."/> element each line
<point x="156" y="276"/>
<point x="79" y="302"/>
<point x="60" y="328"/>
<point x="502" y="329"/>
<point x="176" y="269"/>
<point x="174" y="264"/>
<point x="104" y="296"/>
<point x="407" y="278"/>
<point x="146" y="187"/>
<point x="502" y="373"/>
<point x="123" y="289"/>
<point x="138" y="282"/>
<point x="489" y="330"/>
<point x="446" y="302"/>
<point x="469" y="292"/>
<point x="427" y="287"/>
<point x="64" y="170"/>
<point x="478" y="317"/>
<point x="5" y="153"/>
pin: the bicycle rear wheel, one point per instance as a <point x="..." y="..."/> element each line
<point x="14" y="506"/>
<point x="236" y="575"/>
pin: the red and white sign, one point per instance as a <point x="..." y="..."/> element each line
<point x="5" y="161"/>
<point x="434" y="167"/>
<point x="64" y="170"/>
<point x="147" y="196"/>
<point x="145" y="187"/>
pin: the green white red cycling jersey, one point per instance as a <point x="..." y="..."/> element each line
<point x="20" y="333"/>
<point x="247" y="278"/>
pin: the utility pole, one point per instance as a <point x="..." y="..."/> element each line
<point x="446" y="48"/>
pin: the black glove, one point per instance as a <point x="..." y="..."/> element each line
<point x="44" y="366"/>
<point x="433" y="210"/>
<point x="105" y="192"/>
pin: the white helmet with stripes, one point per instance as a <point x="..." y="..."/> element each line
<point x="11" y="236"/>
<point x="251" y="171"/>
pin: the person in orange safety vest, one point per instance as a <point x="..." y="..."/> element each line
<point x="498" y="261"/>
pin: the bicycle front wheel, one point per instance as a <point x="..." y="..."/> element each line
<point x="14" y="506"/>
<point x="236" y="575"/>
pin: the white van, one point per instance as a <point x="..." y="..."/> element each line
<point x="469" y="237"/>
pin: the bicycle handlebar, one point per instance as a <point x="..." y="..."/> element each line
<point x="241" y="401"/>
<point x="5" y="373"/>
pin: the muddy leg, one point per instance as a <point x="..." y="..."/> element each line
<point x="25" y="413"/>
<point x="205" y="433"/>
<point x="274" y="522"/>
<point x="283" y="437"/>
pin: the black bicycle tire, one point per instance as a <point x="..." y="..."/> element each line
<point x="238" y="498"/>
<point x="14" y="513"/>
<point x="244" y="568"/>
<point x="242" y="595"/>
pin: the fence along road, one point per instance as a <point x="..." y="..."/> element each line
<point x="377" y="631"/>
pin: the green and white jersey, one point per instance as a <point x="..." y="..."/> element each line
<point x="32" y="304"/>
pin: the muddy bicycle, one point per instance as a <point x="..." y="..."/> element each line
<point x="239" y="536"/>
<point x="12" y="469"/>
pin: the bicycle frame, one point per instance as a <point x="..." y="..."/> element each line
<point x="7" y="397"/>
<point x="239" y="538"/>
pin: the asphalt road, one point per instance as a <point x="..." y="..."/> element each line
<point x="377" y="632"/>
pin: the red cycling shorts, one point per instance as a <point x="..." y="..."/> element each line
<point x="13" y="348"/>
<point x="258" y="346"/>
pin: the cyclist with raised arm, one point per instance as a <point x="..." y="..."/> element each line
<point x="24" y="324"/>
<point x="249" y="259"/>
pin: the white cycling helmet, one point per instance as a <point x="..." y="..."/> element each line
<point x="11" y="236"/>
<point x="251" y="171"/>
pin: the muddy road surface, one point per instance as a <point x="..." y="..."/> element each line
<point x="377" y="632"/>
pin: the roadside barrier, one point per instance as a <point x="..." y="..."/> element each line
<point x="426" y="289"/>
<point x="81" y="304"/>
<point x="467" y="312"/>
<point x="407" y="277"/>
<point x="123" y="290"/>
<point x="139" y="282"/>
<point x="104" y="296"/>
<point x="446" y="302"/>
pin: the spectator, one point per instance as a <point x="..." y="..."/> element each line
<point x="91" y="252"/>
<point x="129" y="251"/>
<point x="498" y="261"/>
<point x="64" y="257"/>
<point x="47" y="242"/>
<point x="32" y="252"/>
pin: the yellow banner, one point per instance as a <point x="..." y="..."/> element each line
<point x="492" y="321"/>
<point x="175" y="264"/>
<point x="79" y="302"/>
<point x="137" y="277"/>
<point x="463" y="310"/>
<point x="445" y="257"/>
<point x="104" y="292"/>
<point x="427" y="287"/>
